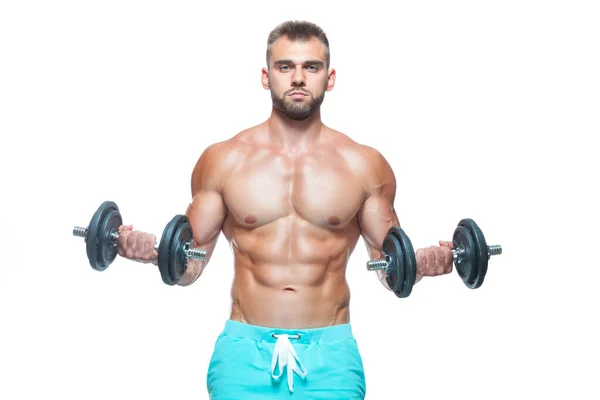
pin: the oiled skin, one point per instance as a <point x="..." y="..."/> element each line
<point x="292" y="221"/>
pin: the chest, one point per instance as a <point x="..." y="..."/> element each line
<point x="317" y="188"/>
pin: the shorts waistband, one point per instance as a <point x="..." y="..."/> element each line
<point x="312" y="335"/>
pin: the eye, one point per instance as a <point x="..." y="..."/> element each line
<point x="284" y="67"/>
<point x="313" y="68"/>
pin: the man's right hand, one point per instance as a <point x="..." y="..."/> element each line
<point x="136" y="245"/>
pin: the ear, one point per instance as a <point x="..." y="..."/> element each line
<point x="265" y="79"/>
<point x="330" y="79"/>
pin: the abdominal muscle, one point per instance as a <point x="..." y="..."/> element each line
<point x="291" y="280"/>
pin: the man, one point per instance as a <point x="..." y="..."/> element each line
<point x="292" y="196"/>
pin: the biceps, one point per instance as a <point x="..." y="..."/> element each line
<point x="206" y="214"/>
<point x="376" y="217"/>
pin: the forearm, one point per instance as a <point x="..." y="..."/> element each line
<point x="193" y="272"/>
<point x="381" y="276"/>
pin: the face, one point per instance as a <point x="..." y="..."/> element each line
<point x="297" y="77"/>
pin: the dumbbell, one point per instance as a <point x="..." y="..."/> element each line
<point x="471" y="255"/>
<point x="101" y="237"/>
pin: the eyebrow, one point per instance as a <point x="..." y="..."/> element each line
<point x="307" y="62"/>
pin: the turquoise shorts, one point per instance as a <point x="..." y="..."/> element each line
<point x="252" y="362"/>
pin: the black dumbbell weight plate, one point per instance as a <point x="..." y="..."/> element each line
<point x="410" y="261"/>
<point x="466" y="265"/>
<point x="395" y="271"/>
<point x="178" y="259"/>
<point x="168" y="262"/>
<point x="164" y="250"/>
<point x="100" y="245"/>
<point x="480" y="250"/>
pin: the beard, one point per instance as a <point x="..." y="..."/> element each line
<point x="297" y="111"/>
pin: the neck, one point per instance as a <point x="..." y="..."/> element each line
<point x="294" y="136"/>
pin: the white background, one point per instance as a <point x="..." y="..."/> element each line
<point x="485" y="110"/>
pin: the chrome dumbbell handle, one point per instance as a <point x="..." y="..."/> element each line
<point x="196" y="254"/>
<point x="493" y="250"/>
<point x="378" y="265"/>
<point x="382" y="264"/>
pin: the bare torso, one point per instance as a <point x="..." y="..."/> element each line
<point x="292" y="224"/>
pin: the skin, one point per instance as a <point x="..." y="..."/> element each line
<point x="292" y="197"/>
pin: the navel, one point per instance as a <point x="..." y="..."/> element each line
<point x="333" y="221"/>
<point x="250" y="219"/>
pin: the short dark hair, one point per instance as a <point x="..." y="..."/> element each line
<point x="301" y="31"/>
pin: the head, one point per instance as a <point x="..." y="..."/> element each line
<point x="297" y="72"/>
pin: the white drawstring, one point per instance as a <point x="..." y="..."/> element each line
<point x="285" y="354"/>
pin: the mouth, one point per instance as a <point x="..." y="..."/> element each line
<point x="298" y="95"/>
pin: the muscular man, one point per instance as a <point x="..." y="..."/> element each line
<point x="292" y="196"/>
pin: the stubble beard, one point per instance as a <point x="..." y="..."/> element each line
<point x="297" y="111"/>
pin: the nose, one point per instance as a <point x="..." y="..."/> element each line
<point x="298" y="78"/>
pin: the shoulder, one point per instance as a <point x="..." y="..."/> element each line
<point x="218" y="161"/>
<point x="367" y="163"/>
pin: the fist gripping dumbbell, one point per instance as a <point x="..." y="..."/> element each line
<point x="471" y="255"/>
<point x="101" y="237"/>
